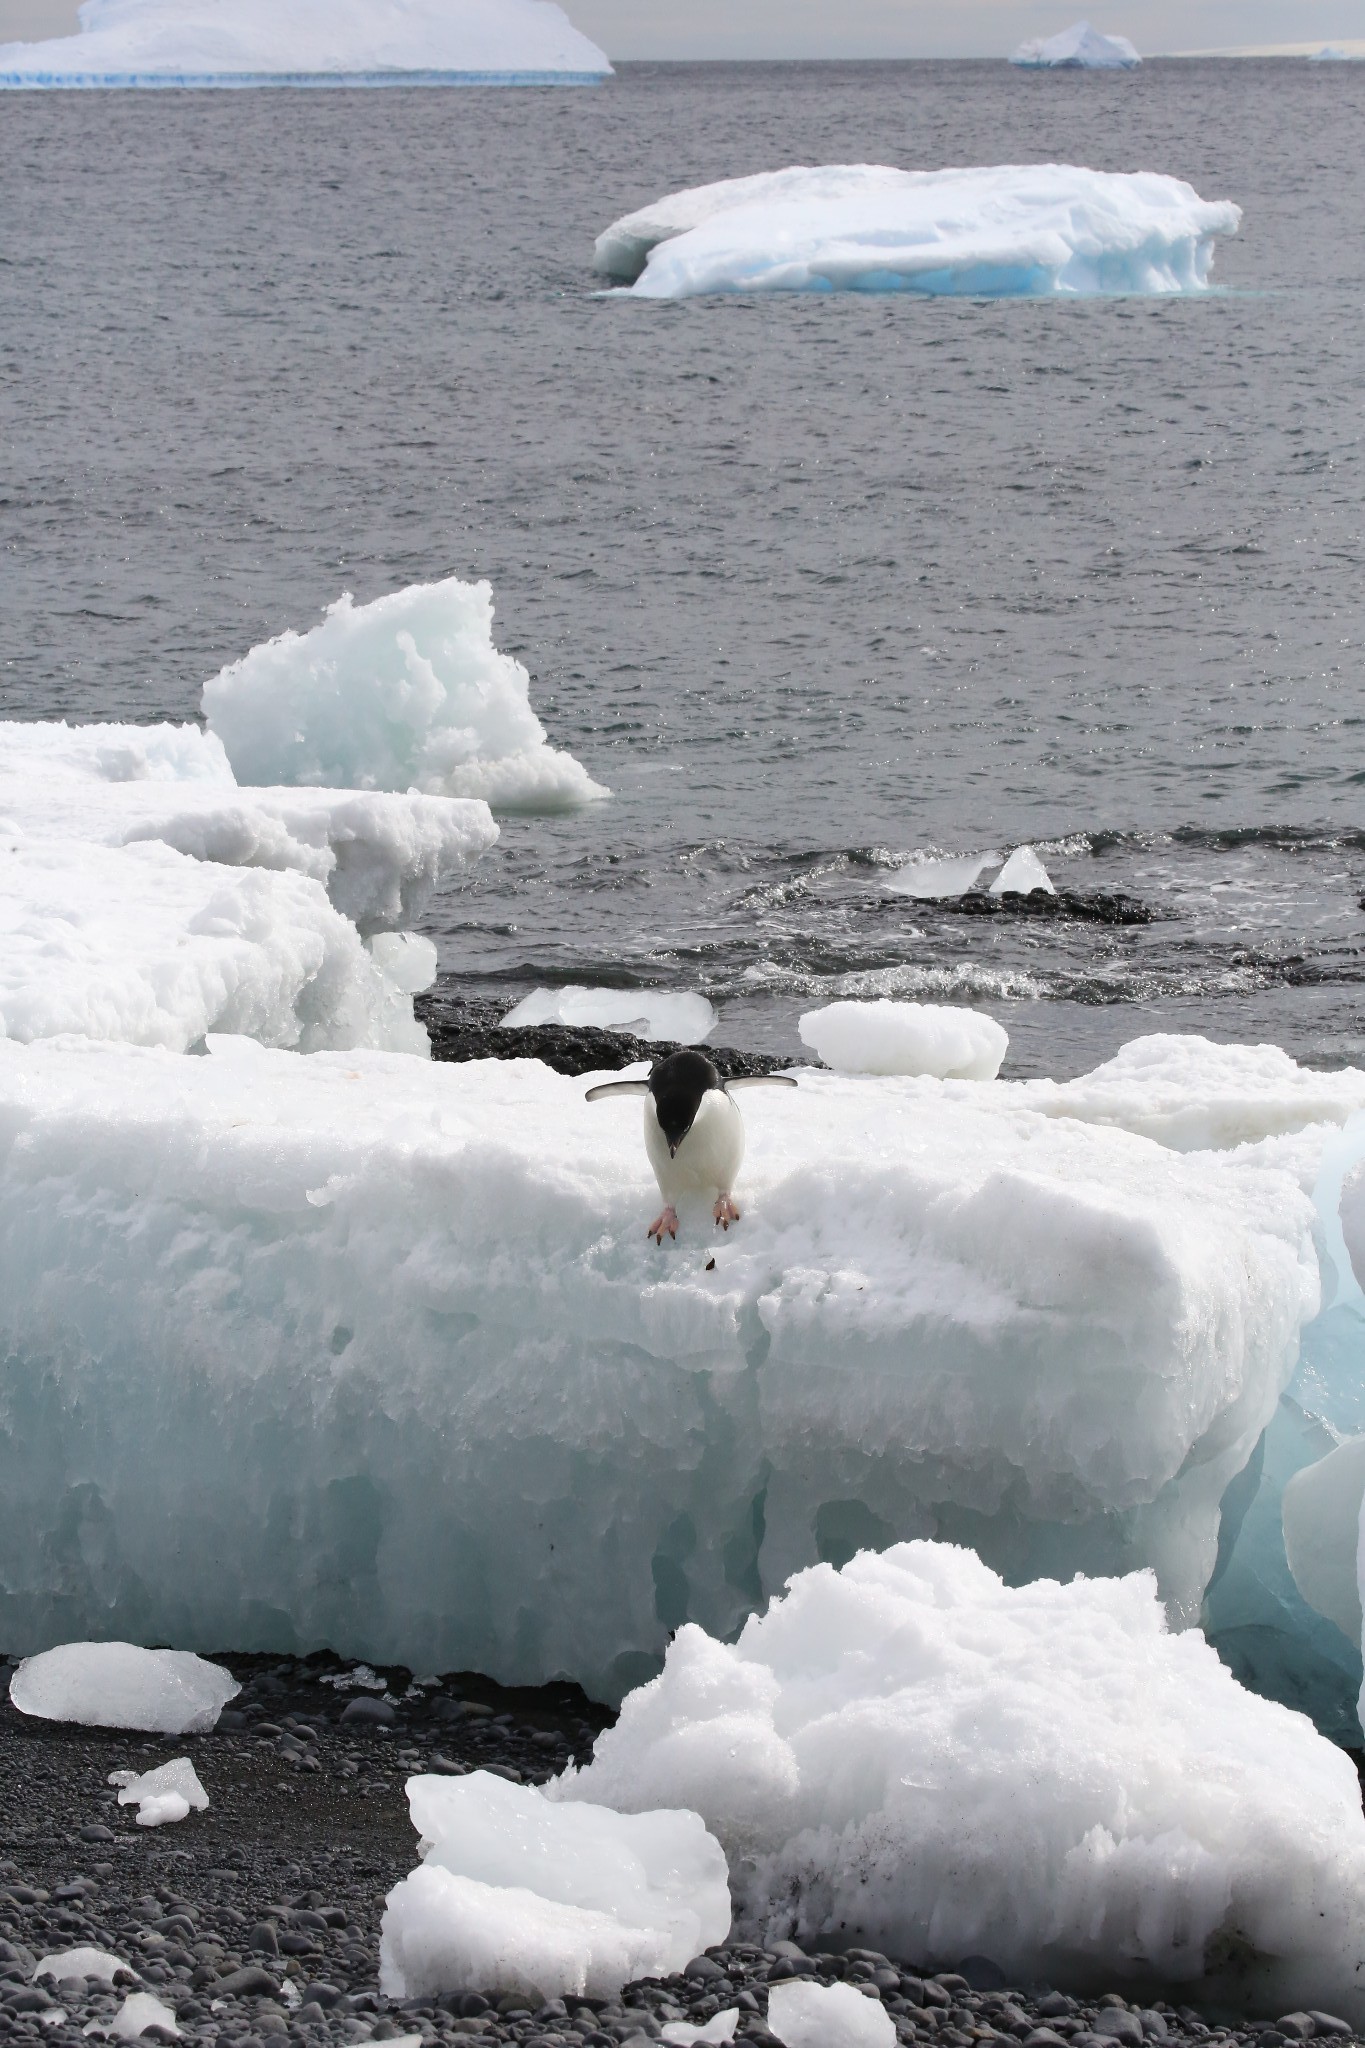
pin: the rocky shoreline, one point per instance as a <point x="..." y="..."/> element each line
<point x="468" y="1028"/>
<point x="257" y="1922"/>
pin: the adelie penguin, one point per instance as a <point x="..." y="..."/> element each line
<point x="693" y="1133"/>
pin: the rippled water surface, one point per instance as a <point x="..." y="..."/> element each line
<point x="811" y="583"/>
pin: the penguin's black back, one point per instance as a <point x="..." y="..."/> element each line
<point x="678" y="1084"/>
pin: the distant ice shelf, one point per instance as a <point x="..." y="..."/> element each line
<point x="1078" y="48"/>
<point x="169" y="43"/>
<point x="1003" y="231"/>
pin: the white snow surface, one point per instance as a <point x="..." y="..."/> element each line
<point x="82" y="1962"/>
<point x="119" y="1685"/>
<point x="828" y="2016"/>
<point x="1002" y="230"/>
<point x="929" y="1762"/>
<point x="1078" y="48"/>
<point x="886" y="1037"/>
<point x="1194" y="1095"/>
<point x="648" y="1012"/>
<point x="170" y="1792"/>
<point x="405" y="693"/>
<point x="140" y="2010"/>
<point x="408" y="1311"/>
<point x="517" y="1893"/>
<point x="241" y="42"/>
<point x="1022" y="872"/>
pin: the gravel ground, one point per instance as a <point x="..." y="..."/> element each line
<point x="257" y="1922"/>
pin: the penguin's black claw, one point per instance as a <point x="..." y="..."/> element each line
<point x="726" y="1211"/>
<point x="667" y="1222"/>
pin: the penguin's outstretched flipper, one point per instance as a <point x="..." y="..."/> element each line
<point x="759" y="1081"/>
<point x="616" y="1088"/>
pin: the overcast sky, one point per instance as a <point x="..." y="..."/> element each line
<point x="887" y="28"/>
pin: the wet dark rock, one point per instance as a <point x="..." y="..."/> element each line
<point x="1079" y="906"/>
<point x="467" y="1028"/>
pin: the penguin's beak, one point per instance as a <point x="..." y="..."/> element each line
<point x="672" y="1151"/>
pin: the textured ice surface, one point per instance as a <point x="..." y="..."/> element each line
<point x="828" y="2016"/>
<point x="82" y="1962"/>
<point x="248" y="42"/>
<point x="517" y="1893"/>
<point x="912" y="1756"/>
<point x="930" y="879"/>
<point x="169" y="1792"/>
<point x="405" y="1312"/>
<point x="686" y="2033"/>
<point x="885" y="1037"/>
<point x="1078" y="48"/>
<point x="1000" y="231"/>
<point x="648" y="1012"/>
<point x="118" y="1685"/>
<point x="140" y="2010"/>
<point x="408" y="692"/>
<point x="1023" y="872"/>
<point x="1321" y="1512"/>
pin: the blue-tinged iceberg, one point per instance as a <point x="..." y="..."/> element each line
<point x="1005" y="231"/>
<point x="1078" y="48"/>
<point x="310" y="42"/>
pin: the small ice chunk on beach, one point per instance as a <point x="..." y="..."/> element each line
<point x="930" y="879"/>
<point x="1022" y="872"/>
<point x="408" y="692"/>
<point x="82" y="1962"/>
<point x="828" y="2016"/>
<point x="886" y="1037"/>
<point x="518" y="1893"/>
<point x="119" y="1685"/>
<point x="687" y="2034"/>
<point x="139" y="2011"/>
<point x="647" y="1012"/>
<point x="165" y="1794"/>
<point x="939" y="1764"/>
<point x="1078" y="48"/>
<point x="988" y="231"/>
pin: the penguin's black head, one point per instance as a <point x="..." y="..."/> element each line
<point x="678" y="1084"/>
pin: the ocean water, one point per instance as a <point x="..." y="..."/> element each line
<point x="811" y="583"/>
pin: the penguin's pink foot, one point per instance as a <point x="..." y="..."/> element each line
<point x="726" y="1211"/>
<point x="667" y="1222"/>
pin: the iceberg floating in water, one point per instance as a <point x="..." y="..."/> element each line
<point x="406" y="693"/>
<point x="1022" y="873"/>
<point x="885" y="1037"/>
<point x="650" y="1013"/>
<point x="118" y="1685"/>
<point x="1032" y="230"/>
<point x="518" y="1893"/>
<point x="309" y="42"/>
<point x="1078" y="48"/>
<point x="932" y="1763"/>
<point x="406" y="1311"/>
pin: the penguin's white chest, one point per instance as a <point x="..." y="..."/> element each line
<point x="708" y="1160"/>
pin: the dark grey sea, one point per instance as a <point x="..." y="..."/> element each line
<point x="809" y="582"/>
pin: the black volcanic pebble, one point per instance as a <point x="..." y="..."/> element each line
<point x="306" y="1831"/>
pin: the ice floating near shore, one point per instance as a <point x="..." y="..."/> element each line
<point x="932" y="880"/>
<point x="517" y="1893"/>
<point x="408" y="692"/>
<point x="118" y="1685"/>
<point x="309" y="42"/>
<point x="1022" y="873"/>
<point x="406" y="1311"/>
<point x="169" y="1793"/>
<point x="1078" y="48"/>
<point x="932" y="1763"/>
<point x="1004" y="231"/>
<point x="648" y="1012"/>
<point x="885" y="1037"/>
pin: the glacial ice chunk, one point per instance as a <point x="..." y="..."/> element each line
<point x="408" y="692"/>
<point x="1321" y="1510"/>
<point x="649" y="1012"/>
<point x="930" y="879"/>
<point x="516" y="1893"/>
<point x="406" y="959"/>
<point x="937" y="1764"/>
<point x="1078" y="48"/>
<point x="168" y="1793"/>
<point x="687" y="2034"/>
<point x="407" y="1311"/>
<point x="1022" y="872"/>
<point x="885" y="1037"/>
<point x="828" y="2016"/>
<point x="118" y="1685"/>
<point x="310" y="42"/>
<point x="999" y="231"/>
<point x="82" y="1962"/>
<point x="139" y="2011"/>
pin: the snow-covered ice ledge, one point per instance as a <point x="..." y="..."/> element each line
<point x="386" y="1344"/>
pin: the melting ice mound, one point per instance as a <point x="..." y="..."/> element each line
<point x="408" y="692"/>
<point x="407" y="1312"/>
<point x="885" y="1037"/>
<point x="118" y="1685"/>
<point x="309" y="42"/>
<point x="1008" y="231"/>
<point x="518" y="1893"/>
<point x="1078" y="48"/>
<point x="649" y="1013"/>
<point x="923" y="1760"/>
